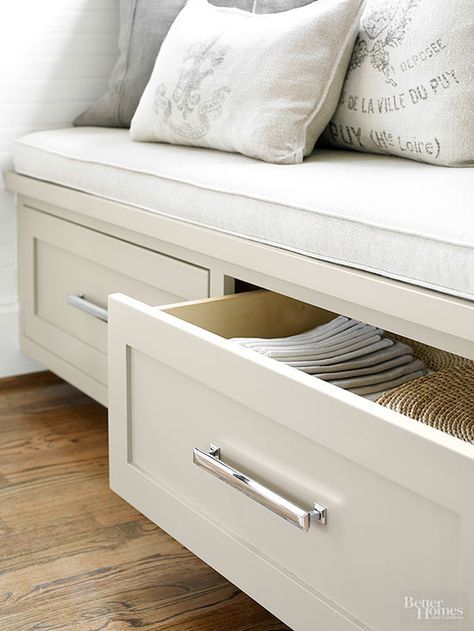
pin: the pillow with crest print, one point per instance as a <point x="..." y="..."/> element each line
<point x="264" y="85"/>
<point x="143" y="27"/>
<point x="409" y="90"/>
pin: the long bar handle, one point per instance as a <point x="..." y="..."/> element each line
<point x="299" y="517"/>
<point x="78" y="301"/>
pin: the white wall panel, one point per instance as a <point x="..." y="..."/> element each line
<point x="51" y="68"/>
<point x="55" y="59"/>
<point x="41" y="90"/>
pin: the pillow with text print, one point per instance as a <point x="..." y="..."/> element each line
<point x="409" y="87"/>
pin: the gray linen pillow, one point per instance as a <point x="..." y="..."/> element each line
<point x="144" y="25"/>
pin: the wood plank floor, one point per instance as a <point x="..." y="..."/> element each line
<point x="73" y="555"/>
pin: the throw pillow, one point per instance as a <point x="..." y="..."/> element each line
<point x="409" y="88"/>
<point x="262" y="85"/>
<point x="143" y="27"/>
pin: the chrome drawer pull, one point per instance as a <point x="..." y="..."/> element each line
<point x="211" y="462"/>
<point x="78" y="301"/>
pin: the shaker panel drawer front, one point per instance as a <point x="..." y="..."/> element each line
<point x="61" y="275"/>
<point x="320" y="505"/>
<point x="67" y="273"/>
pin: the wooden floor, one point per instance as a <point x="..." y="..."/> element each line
<point x="73" y="555"/>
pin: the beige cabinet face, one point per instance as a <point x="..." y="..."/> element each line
<point x="398" y="518"/>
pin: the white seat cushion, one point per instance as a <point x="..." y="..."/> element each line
<point x="394" y="217"/>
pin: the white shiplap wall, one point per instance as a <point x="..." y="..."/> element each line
<point x="55" y="59"/>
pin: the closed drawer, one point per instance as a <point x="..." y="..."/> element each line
<point x="397" y="493"/>
<point x="68" y="271"/>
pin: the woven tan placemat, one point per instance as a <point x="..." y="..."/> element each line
<point x="444" y="399"/>
<point x="433" y="358"/>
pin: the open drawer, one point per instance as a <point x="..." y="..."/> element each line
<point x="398" y="495"/>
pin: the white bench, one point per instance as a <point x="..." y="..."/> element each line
<point x="387" y="241"/>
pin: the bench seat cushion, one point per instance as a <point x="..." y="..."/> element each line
<point x="394" y="217"/>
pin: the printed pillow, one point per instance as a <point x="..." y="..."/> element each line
<point x="409" y="87"/>
<point x="143" y="27"/>
<point x="262" y="85"/>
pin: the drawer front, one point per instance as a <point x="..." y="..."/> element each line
<point x="67" y="274"/>
<point x="398" y="516"/>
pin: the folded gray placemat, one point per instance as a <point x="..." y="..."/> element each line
<point x="380" y="377"/>
<point x="310" y="352"/>
<point x="383" y="387"/>
<point x="366" y="350"/>
<point x="346" y="353"/>
<point x="368" y="370"/>
<point x="322" y="331"/>
<point x="373" y="359"/>
<point x="339" y="341"/>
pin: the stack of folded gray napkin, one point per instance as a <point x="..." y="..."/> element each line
<point x="347" y="353"/>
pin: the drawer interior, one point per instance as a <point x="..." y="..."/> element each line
<point x="257" y="313"/>
<point x="266" y="314"/>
